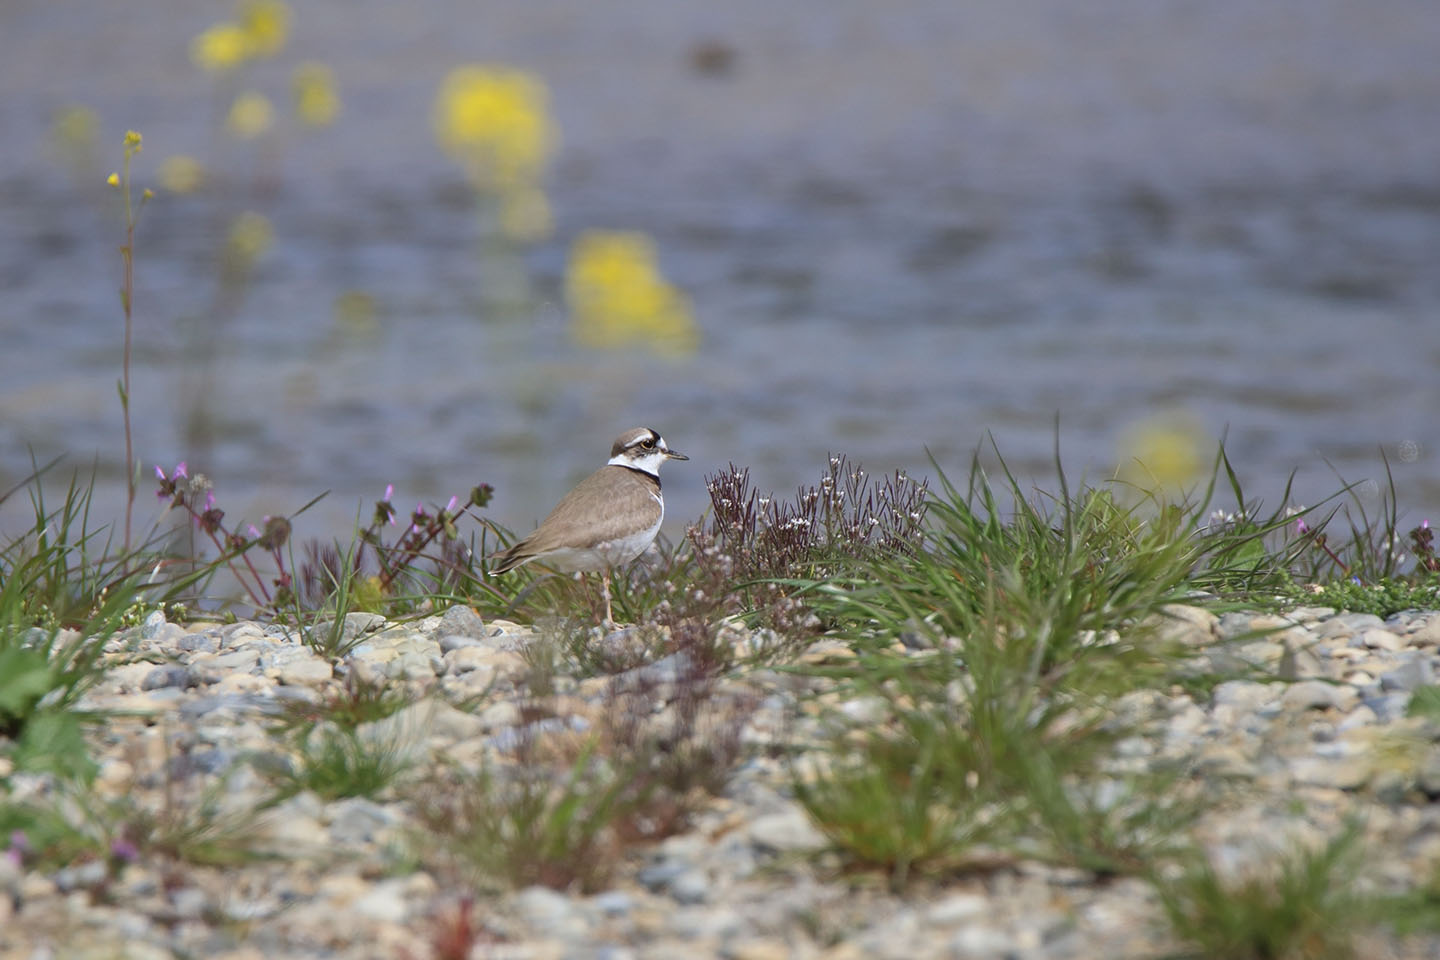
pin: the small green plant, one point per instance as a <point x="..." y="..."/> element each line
<point x="896" y="804"/>
<point x="193" y="825"/>
<point x="354" y="701"/>
<point x="1416" y="910"/>
<point x="526" y="824"/>
<point x="1382" y="598"/>
<point x="335" y="762"/>
<point x="62" y="596"/>
<point x="1044" y="601"/>
<point x="1302" y="906"/>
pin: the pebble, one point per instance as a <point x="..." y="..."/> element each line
<point x="1318" y="695"/>
<point x="786" y="831"/>
<point x="306" y="672"/>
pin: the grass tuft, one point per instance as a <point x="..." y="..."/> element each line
<point x="1303" y="906"/>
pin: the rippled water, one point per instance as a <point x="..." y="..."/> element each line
<point x="902" y="225"/>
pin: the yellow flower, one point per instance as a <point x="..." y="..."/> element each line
<point x="494" y="122"/>
<point x="1162" y="452"/>
<point x="525" y="214"/>
<point x="113" y="180"/>
<point x="75" y="131"/>
<point x="356" y="315"/>
<point x="133" y="141"/>
<point x="250" y="236"/>
<point x="617" y="296"/>
<point x="250" y="116"/>
<point x="316" y="102"/>
<point x="223" y="47"/>
<point x="180" y="174"/>
<point x="266" y="24"/>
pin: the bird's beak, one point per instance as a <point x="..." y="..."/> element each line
<point x="673" y="455"/>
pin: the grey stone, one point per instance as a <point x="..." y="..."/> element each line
<point x="205" y="642"/>
<point x="1342" y="773"/>
<point x="154" y="621"/>
<point x="613" y="903"/>
<point x="1317" y="695"/>
<point x="212" y="761"/>
<point x="1348" y="624"/>
<point x="168" y="675"/>
<point x="1311" y="614"/>
<point x="427" y="718"/>
<point x="552" y="913"/>
<point x="1181" y="623"/>
<point x="788" y="830"/>
<point x="1382" y="640"/>
<point x="358" y="820"/>
<point x="81" y="876"/>
<point x="1414" y="671"/>
<point x="454" y="641"/>
<point x="1428" y="778"/>
<point x="305" y="672"/>
<point x="461" y="621"/>
<point x="212" y="668"/>
<point x="1388" y="707"/>
<point x="1243" y="694"/>
<point x="188" y="902"/>
<point x="983" y="941"/>
<point x="657" y="877"/>
<point x="1361" y="716"/>
<point x="385" y="901"/>
<point x="713" y="922"/>
<point x="1426" y="635"/>
<point x="409" y="666"/>
<point x="240" y="703"/>
<point x="355" y="625"/>
<point x="690" y="886"/>
<point x="957" y="908"/>
<point x="1233" y="626"/>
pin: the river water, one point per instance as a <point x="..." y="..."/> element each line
<point x="901" y="225"/>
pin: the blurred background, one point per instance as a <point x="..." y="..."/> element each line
<point x="433" y="244"/>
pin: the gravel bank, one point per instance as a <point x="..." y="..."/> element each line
<point x="193" y="708"/>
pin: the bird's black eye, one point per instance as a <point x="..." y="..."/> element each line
<point x="648" y="442"/>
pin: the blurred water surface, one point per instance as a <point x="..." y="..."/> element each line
<point x="901" y="225"/>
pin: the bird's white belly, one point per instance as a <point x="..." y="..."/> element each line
<point x="610" y="553"/>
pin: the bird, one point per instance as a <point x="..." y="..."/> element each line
<point x="609" y="519"/>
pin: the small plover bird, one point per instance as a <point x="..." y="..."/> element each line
<point x="606" y="521"/>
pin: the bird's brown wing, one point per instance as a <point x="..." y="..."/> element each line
<point x="602" y="507"/>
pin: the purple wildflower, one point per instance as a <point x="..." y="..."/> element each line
<point x="122" y="849"/>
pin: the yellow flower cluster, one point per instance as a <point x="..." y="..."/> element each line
<point x="317" y="104"/>
<point x="180" y="174"/>
<point x="250" y="116"/>
<point x="1162" y="453"/>
<point x="75" y="133"/>
<point x="249" y="238"/>
<point x="494" y="122"/>
<point x="617" y="296"/>
<point x="259" y="30"/>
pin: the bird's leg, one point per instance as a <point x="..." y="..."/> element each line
<point x="605" y="586"/>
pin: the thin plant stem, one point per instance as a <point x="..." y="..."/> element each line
<point x="127" y="302"/>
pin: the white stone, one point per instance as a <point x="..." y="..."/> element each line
<point x="1383" y="640"/>
<point x="786" y="831"/>
<point x="305" y="672"/>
